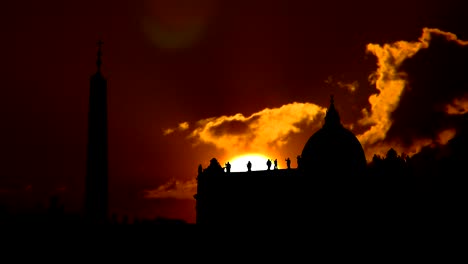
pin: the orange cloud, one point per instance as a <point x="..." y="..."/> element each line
<point x="351" y="87"/>
<point x="181" y="127"/>
<point x="446" y="135"/>
<point x="168" y="131"/>
<point x="266" y="129"/>
<point x="458" y="107"/>
<point x="442" y="138"/>
<point x="390" y="83"/>
<point x="173" y="189"/>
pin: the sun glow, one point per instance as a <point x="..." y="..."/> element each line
<point x="259" y="162"/>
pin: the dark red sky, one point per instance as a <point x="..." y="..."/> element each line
<point x="174" y="61"/>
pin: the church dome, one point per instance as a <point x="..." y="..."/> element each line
<point x="333" y="150"/>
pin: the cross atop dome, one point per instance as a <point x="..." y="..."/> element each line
<point x="332" y="118"/>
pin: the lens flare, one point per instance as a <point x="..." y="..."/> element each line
<point x="177" y="24"/>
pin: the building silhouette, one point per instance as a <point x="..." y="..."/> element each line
<point x="96" y="193"/>
<point x="334" y="185"/>
<point x="332" y="165"/>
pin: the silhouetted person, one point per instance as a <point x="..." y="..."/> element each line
<point x="276" y="164"/>
<point x="268" y="163"/>
<point x="249" y="166"/>
<point x="200" y="169"/>
<point x="228" y="167"/>
<point x="288" y="163"/>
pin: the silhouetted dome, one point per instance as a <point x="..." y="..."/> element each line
<point x="333" y="150"/>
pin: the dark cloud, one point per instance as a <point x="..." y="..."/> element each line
<point x="436" y="76"/>
<point x="233" y="127"/>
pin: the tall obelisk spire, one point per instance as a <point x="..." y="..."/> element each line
<point x="96" y="196"/>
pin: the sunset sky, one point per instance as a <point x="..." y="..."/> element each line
<point x="191" y="80"/>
